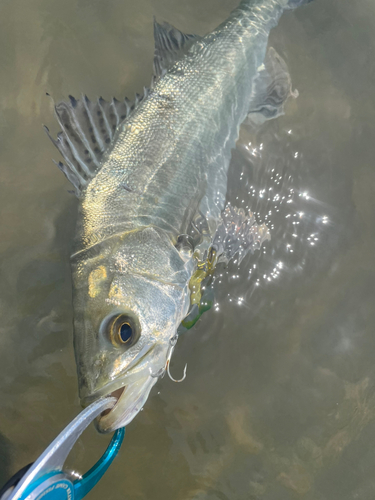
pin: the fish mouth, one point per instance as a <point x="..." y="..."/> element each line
<point x="130" y="401"/>
<point x="131" y="389"/>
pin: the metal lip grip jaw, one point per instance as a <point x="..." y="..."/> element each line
<point x="46" y="480"/>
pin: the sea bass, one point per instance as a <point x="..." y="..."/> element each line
<point x="151" y="178"/>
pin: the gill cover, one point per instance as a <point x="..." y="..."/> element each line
<point x="130" y="295"/>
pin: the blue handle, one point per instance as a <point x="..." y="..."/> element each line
<point x="88" y="481"/>
<point x="45" y="479"/>
<point x="56" y="485"/>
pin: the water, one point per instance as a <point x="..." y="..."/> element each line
<point x="279" y="401"/>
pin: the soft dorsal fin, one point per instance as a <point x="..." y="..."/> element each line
<point x="170" y="45"/>
<point x="87" y="129"/>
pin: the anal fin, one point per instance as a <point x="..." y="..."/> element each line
<point x="271" y="88"/>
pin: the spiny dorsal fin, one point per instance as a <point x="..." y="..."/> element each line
<point x="87" y="129"/>
<point x="170" y="45"/>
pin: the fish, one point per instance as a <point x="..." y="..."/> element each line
<point x="151" y="180"/>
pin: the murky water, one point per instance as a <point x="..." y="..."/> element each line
<point x="279" y="401"/>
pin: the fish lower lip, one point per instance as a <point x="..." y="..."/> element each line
<point x="130" y="400"/>
<point x="115" y="394"/>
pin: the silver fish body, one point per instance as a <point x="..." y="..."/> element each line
<point x="178" y="140"/>
<point x="168" y="161"/>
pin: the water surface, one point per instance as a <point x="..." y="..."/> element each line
<point x="279" y="401"/>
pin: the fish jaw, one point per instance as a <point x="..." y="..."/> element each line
<point x="131" y="399"/>
<point x="131" y="389"/>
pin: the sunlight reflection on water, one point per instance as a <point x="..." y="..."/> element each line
<point x="279" y="401"/>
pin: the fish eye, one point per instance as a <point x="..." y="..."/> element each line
<point x="123" y="330"/>
<point x="125" y="333"/>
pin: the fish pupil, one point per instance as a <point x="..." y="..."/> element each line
<point x="126" y="332"/>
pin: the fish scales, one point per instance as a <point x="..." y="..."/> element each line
<point x="135" y="273"/>
<point x="164" y="150"/>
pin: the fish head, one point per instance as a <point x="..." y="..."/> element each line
<point x="129" y="299"/>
